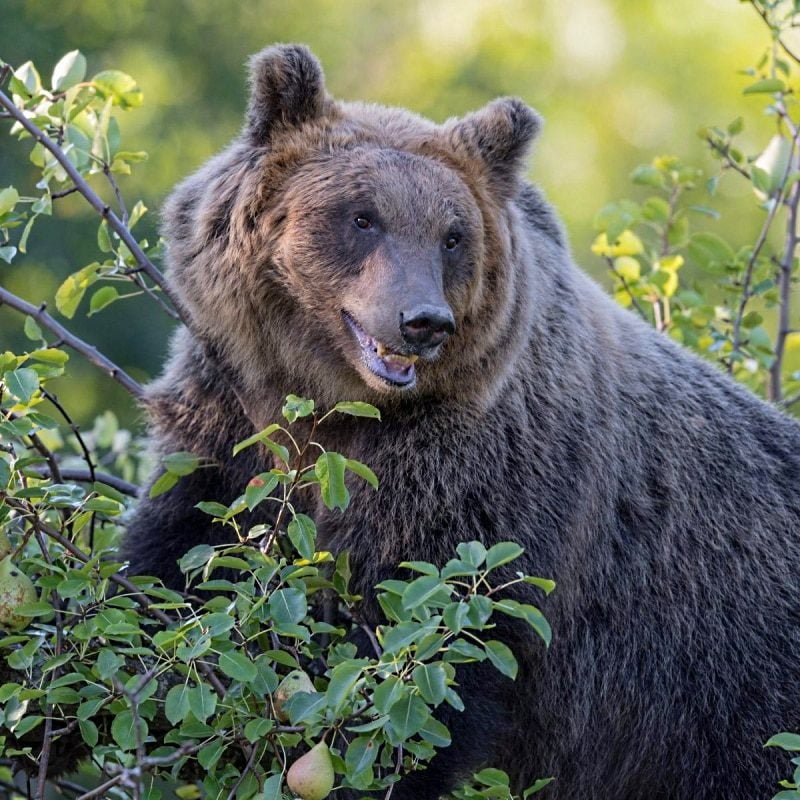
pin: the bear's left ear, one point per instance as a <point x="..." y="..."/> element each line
<point x="287" y="88"/>
<point x="500" y="134"/>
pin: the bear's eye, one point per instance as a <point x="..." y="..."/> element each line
<point x="363" y="222"/>
<point x="451" y="242"/>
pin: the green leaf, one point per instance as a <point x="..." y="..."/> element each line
<point x="786" y="741"/>
<point x="343" y="680"/>
<point x="501" y="553"/>
<point x="209" y="755"/>
<point x="202" y="701"/>
<point x="543" y="583"/>
<point x="89" y="732"/>
<point x="765" y="86"/>
<point x="181" y="463"/>
<point x="22" y="383"/>
<point x="296" y="407"/>
<point x="176" y="704"/>
<point x="302" y="534"/>
<point x="537" y="787"/>
<point x="162" y="484"/>
<point x="27" y="76"/>
<point x="272" y="787"/>
<point x="212" y="509"/>
<point x="70" y="69"/>
<point x="409" y="716"/>
<point x="357" y="409"/>
<point x="259" y="488"/>
<point x="530" y="614"/>
<point x="32" y="330"/>
<point x="101" y="298"/>
<point x="473" y="553"/>
<point x="363" y="471"/>
<point x="238" y="666"/>
<point x="709" y="251"/>
<point x="121" y="88"/>
<point x="197" y="557"/>
<point x="360" y="755"/>
<point x="431" y="680"/>
<point x="256" y="729"/>
<point x="502" y="658"/>
<point x="8" y="199"/>
<point x="71" y="291"/>
<point x="7" y="253"/>
<point x="287" y="606"/>
<point x="108" y="663"/>
<point x="123" y="731"/>
<point x="262" y="437"/>
<point x="103" y="237"/>
<point x="329" y="470"/>
<point x="420" y="590"/>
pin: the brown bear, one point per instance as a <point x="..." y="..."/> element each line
<point x="344" y="251"/>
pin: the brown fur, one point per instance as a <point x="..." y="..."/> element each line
<point x="660" y="495"/>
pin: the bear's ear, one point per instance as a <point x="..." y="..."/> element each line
<point x="500" y="134"/>
<point x="287" y="88"/>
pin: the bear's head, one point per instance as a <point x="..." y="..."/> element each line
<point x="350" y="251"/>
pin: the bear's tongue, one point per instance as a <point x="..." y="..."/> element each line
<point x="383" y="362"/>
<point x="393" y="367"/>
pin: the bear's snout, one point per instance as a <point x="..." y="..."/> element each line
<point x="427" y="325"/>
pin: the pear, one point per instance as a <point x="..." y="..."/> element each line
<point x="296" y="681"/>
<point x="16" y="589"/>
<point x="311" y="776"/>
<point x="774" y="161"/>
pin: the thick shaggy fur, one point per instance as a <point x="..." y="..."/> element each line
<point x="661" y="496"/>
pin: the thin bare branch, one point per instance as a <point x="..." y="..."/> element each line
<point x="84" y="476"/>
<point x="89" y="352"/>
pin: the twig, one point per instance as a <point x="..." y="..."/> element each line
<point x="84" y="476"/>
<point x="765" y="17"/>
<point x="87" y="456"/>
<point x="751" y="262"/>
<point x="94" y="200"/>
<point x="100" y="790"/>
<point x="89" y="352"/>
<point x="785" y="292"/>
<point x="117" y="193"/>
<point x="63" y="193"/>
<point x="728" y="160"/>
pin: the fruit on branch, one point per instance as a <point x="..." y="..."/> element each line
<point x="311" y="776"/>
<point x="16" y="589"/>
<point x="296" y="681"/>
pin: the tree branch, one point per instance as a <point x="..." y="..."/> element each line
<point x="89" y="352"/>
<point x="94" y="200"/>
<point x="85" y="476"/>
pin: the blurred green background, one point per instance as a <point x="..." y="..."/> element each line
<point x="618" y="82"/>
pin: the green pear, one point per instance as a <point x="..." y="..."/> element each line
<point x="16" y="589"/>
<point x="775" y="162"/>
<point x="296" y="681"/>
<point x="311" y="776"/>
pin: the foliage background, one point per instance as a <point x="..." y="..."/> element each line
<point x="617" y="82"/>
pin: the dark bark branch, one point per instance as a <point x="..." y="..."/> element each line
<point x="84" y="476"/>
<point x="89" y="352"/>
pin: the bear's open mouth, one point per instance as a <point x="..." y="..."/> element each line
<point x="395" y="368"/>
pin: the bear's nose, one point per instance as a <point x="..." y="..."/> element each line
<point x="427" y="326"/>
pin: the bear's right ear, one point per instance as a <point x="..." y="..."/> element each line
<point x="287" y="88"/>
<point x="500" y="135"/>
